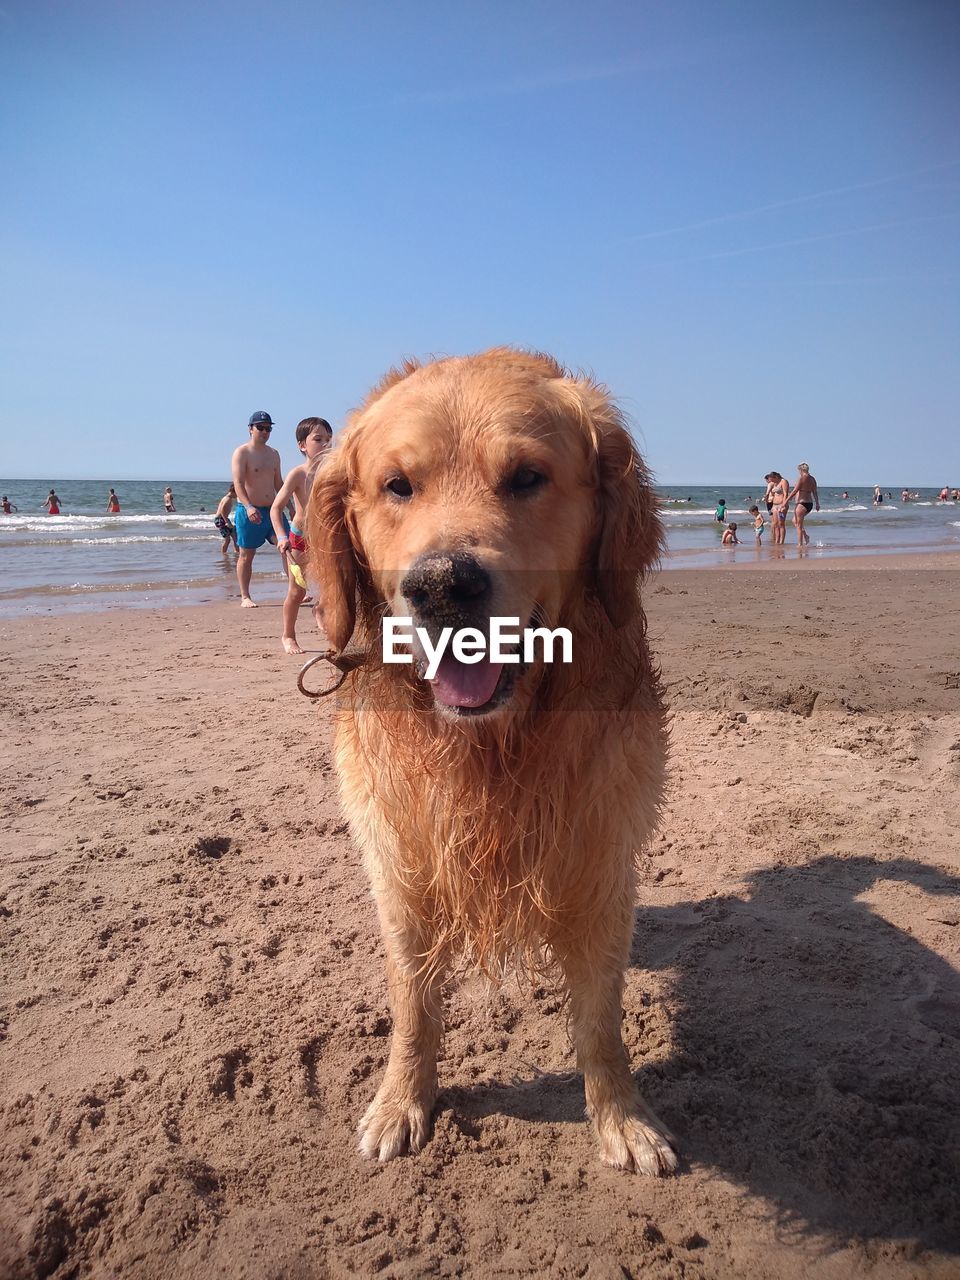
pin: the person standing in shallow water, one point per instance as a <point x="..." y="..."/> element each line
<point x="805" y="492"/>
<point x="768" y="494"/>
<point x="113" y="503"/>
<point x="222" y="522"/>
<point x="758" y="524"/>
<point x="52" y="503"/>
<point x="778" y="504"/>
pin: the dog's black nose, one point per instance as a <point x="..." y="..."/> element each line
<point x="446" y="581"/>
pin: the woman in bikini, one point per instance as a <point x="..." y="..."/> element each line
<point x="778" y="503"/>
<point x="52" y="503"/>
<point x="768" y="496"/>
<point x="113" y="503"/>
<point x="805" y="492"/>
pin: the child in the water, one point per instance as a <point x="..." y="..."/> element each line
<point x="759" y="524"/>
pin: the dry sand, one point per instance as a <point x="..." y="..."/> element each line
<point x="194" y="1005"/>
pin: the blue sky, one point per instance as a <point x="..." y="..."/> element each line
<point x="743" y="217"/>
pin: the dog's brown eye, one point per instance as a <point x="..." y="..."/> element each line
<point x="525" y="480"/>
<point x="399" y="486"/>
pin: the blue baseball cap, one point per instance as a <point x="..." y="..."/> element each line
<point x="260" y="419"/>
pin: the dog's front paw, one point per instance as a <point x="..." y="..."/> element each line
<point x="396" y="1121"/>
<point x="637" y="1142"/>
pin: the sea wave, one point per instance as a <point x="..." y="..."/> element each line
<point x="22" y="543"/>
<point x="686" y="512"/>
<point x="38" y="523"/>
<point x="111" y="588"/>
<point x="673" y="514"/>
<point x="852" y="515"/>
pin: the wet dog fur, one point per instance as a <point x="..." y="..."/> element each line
<point x="507" y="833"/>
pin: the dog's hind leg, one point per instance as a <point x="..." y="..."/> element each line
<point x="631" y="1137"/>
<point x="398" y="1119"/>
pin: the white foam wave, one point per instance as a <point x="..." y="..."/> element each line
<point x="696" y="514"/>
<point x="688" y="511"/>
<point x="35" y="524"/>
<point x="112" y="542"/>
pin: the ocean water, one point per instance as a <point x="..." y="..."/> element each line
<point x="842" y="527"/>
<point x="86" y="559"/>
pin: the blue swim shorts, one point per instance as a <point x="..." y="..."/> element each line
<point x="250" y="535"/>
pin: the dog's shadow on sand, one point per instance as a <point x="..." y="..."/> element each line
<point x="815" y="1049"/>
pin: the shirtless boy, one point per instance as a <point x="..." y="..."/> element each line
<point x="758" y="524"/>
<point x="313" y="440"/>
<point x="222" y="522"/>
<point x="256" y="478"/>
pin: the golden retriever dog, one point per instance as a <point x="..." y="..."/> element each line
<point x="499" y="807"/>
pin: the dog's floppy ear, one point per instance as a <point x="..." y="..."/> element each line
<point x="630" y="535"/>
<point x="333" y="563"/>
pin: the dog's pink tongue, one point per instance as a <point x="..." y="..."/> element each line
<point x="462" y="684"/>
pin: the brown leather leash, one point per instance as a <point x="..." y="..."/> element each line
<point x="344" y="662"/>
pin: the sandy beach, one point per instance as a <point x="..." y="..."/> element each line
<point x="194" y="1009"/>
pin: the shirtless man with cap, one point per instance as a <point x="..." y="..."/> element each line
<point x="257" y="479"/>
